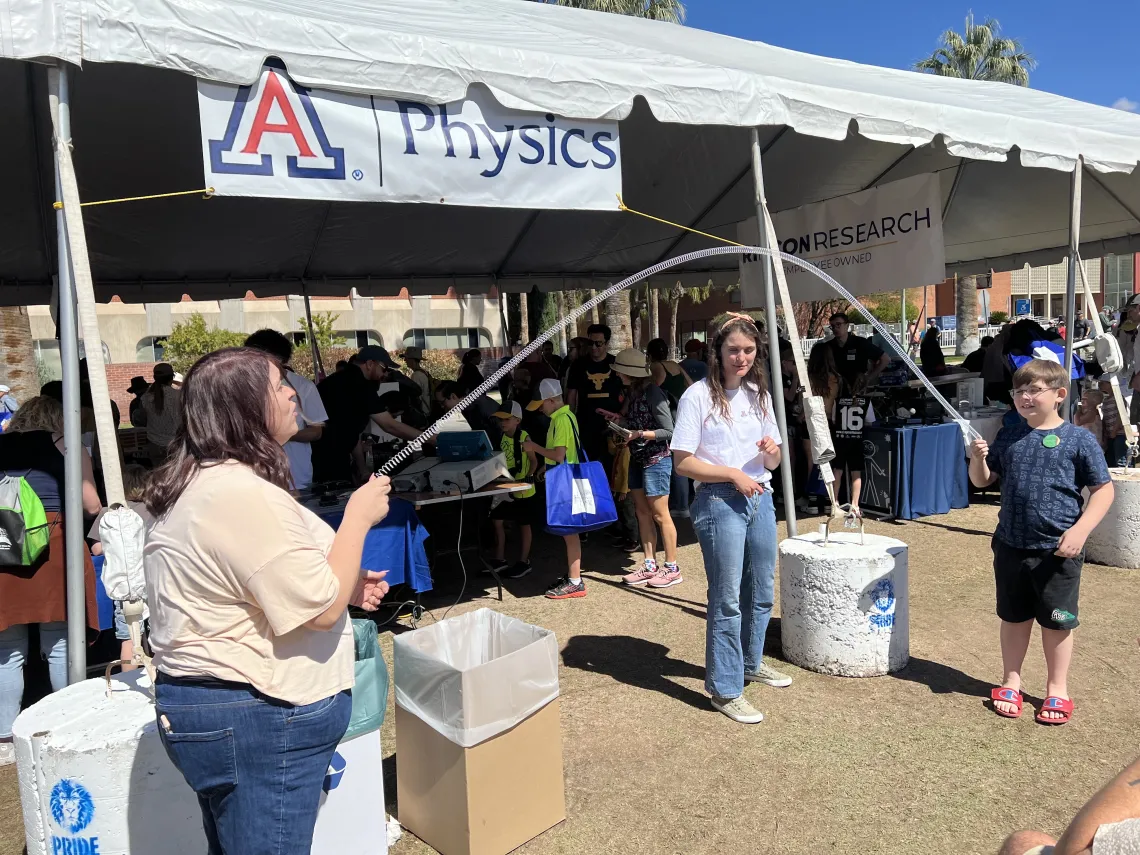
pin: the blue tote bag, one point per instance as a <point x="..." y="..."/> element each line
<point x="578" y="496"/>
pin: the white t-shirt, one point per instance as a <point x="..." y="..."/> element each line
<point x="701" y="431"/>
<point x="309" y="404"/>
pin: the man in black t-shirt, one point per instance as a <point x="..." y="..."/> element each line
<point x="854" y="355"/>
<point x="350" y="400"/>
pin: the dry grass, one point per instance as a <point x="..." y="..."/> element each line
<point x="909" y="763"/>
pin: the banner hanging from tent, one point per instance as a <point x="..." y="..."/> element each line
<point x="877" y="240"/>
<point x="279" y="139"/>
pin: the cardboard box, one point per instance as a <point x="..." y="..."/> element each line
<point x="484" y="800"/>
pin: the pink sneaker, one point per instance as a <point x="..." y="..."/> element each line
<point x="666" y="577"/>
<point x="641" y="575"/>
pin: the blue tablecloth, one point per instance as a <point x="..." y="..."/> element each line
<point x="931" y="476"/>
<point x="396" y="544"/>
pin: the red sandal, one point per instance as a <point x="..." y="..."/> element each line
<point x="1056" y="705"/>
<point x="1009" y="696"/>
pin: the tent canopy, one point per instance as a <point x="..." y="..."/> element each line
<point x="686" y="100"/>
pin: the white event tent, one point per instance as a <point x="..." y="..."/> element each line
<point x="692" y="108"/>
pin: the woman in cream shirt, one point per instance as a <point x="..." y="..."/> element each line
<point x="248" y="594"/>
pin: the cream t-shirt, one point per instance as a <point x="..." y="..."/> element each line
<point x="234" y="572"/>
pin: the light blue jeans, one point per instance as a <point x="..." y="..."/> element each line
<point x="13" y="652"/>
<point x="738" y="542"/>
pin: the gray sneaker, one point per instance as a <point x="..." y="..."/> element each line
<point x="7" y="753"/>
<point x="769" y="676"/>
<point x="738" y="709"/>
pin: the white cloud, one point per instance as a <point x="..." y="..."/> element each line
<point x="1126" y="104"/>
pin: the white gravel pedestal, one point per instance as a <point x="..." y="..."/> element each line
<point x="94" y="778"/>
<point x="843" y="606"/>
<point x="1116" y="541"/>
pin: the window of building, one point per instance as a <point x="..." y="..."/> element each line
<point x="49" y="362"/>
<point x="450" y="338"/>
<point x="350" y="338"/>
<point x="1118" y="279"/>
<point x="692" y="329"/>
<point x="150" y="349"/>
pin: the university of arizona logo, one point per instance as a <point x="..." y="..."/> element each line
<point x="335" y="772"/>
<point x="882" y="614"/>
<point x="274" y="120"/>
<point x="72" y="807"/>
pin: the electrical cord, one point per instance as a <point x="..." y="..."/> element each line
<point x="458" y="551"/>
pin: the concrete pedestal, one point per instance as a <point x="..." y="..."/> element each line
<point x="1116" y="541"/>
<point x="843" y="606"/>
<point x="94" y="776"/>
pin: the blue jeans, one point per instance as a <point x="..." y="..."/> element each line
<point x="738" y="542"/>
<point x="257" y="764"/>
<point x="655" y="480"/>
<point x="13" y="652"/>
<point x="679" y="496"/>
<point x="1116" y="451"/>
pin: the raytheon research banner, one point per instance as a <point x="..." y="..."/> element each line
<point x="877" y="240"/>
<point x="279" y="139"/>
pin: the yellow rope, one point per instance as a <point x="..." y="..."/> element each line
<point x="207" y="192"/>
<point x="622" y="205"/>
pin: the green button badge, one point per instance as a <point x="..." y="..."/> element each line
<point x="1051" y="441"/>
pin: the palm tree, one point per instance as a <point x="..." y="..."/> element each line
<point x="18" y="350"/>
<point x="676" y="292"/>
<point x="617" y="318"/>
<point x="979" y="54"/>
<point x="672" y="11"/>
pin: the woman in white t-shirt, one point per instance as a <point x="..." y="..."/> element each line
<point x="248" y="594"/>
<point x="726" y="440"/>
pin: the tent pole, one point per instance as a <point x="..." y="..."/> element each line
<point x="787" y="477"/>
<point x="318" y="368"/>
<point x="73" y="532"/>
<point x="1071" y="285"/>
<point x="902" y="318"/>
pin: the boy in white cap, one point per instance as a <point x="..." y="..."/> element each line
<point x="561" y="447"/>
<point x="521" y="507"/>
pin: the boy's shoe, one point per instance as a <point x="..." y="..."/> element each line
<point x="769" y="676"/>
<point x="496" y="565"/>
<point x="567" y="589"/>
<point x="7" y="753"/>
<point x="668" y="576"/>
<point x="516" y="570"/>
<point x="641" y="575"/>
<point x="738" y="709"/>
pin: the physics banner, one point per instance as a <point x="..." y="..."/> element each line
<point x="279" y="139"/>
<point x="877" y="240"/>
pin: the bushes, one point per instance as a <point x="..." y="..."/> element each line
<point x="190" y="340"/>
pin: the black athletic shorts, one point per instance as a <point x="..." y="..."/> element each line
<point x="848" y="454"/>
<point x="522" y="511"/>
<point x="1036" y="584"/>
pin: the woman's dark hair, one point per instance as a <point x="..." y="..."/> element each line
<point x="821" y="368"/>
<point x="446" y="388"/>
<point x="163" y="378"/>
<point x="472" y="356"/>
<point x="657" y="350"/>
<point x="225" y="416"/>
<point x="754" y="383"/>
<point x="273" y="343"/>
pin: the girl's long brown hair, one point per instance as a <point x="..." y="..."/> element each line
<point x="754" y="383"/>
<point x="225" y="416"/>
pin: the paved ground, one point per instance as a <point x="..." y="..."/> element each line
<point x="909" y="763"/>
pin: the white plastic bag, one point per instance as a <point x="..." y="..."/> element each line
<point x="122" y="532"/>
<point x="476" y="675"/>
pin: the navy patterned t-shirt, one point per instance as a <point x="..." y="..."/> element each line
<point x="1041" y="486"/>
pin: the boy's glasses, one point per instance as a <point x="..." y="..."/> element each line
<point x="1033" y="392"/>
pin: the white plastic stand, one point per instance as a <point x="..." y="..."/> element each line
<point x="1116" y="541"/>
<point x="843" y="605"/>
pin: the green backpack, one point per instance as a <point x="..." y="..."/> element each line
<point x="24" y="529"/>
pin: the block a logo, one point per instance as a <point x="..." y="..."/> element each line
<point x="335" y="772"/>
<point x="272" y="120"/>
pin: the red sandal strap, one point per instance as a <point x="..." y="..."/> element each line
<point x="1055" y="704"/>
<point x="1006" y="694"/>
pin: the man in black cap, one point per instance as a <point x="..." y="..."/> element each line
<point x="351" y="400"/>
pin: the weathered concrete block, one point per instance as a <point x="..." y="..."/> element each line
<point x="843" y="606"/>
<point x="1116" y="541"/>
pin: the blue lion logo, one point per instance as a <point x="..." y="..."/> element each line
<point x="72" y="807"/>
<point x="883" y="604"/>
<point x="335" y="772"/>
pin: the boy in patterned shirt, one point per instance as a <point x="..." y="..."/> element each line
<point x="1044" y="463"/>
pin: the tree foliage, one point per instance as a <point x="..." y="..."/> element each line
<point x="672" y="11"/>
<point x="324" y="330"/>
<point x="980" y="54"/>
<point x="192" y="339"/>
<point x="886" y="309"/>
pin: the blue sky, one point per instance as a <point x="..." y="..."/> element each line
<point x="1084" y="50"/>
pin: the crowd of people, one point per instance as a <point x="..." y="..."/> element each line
<point x="260" y="623"/>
